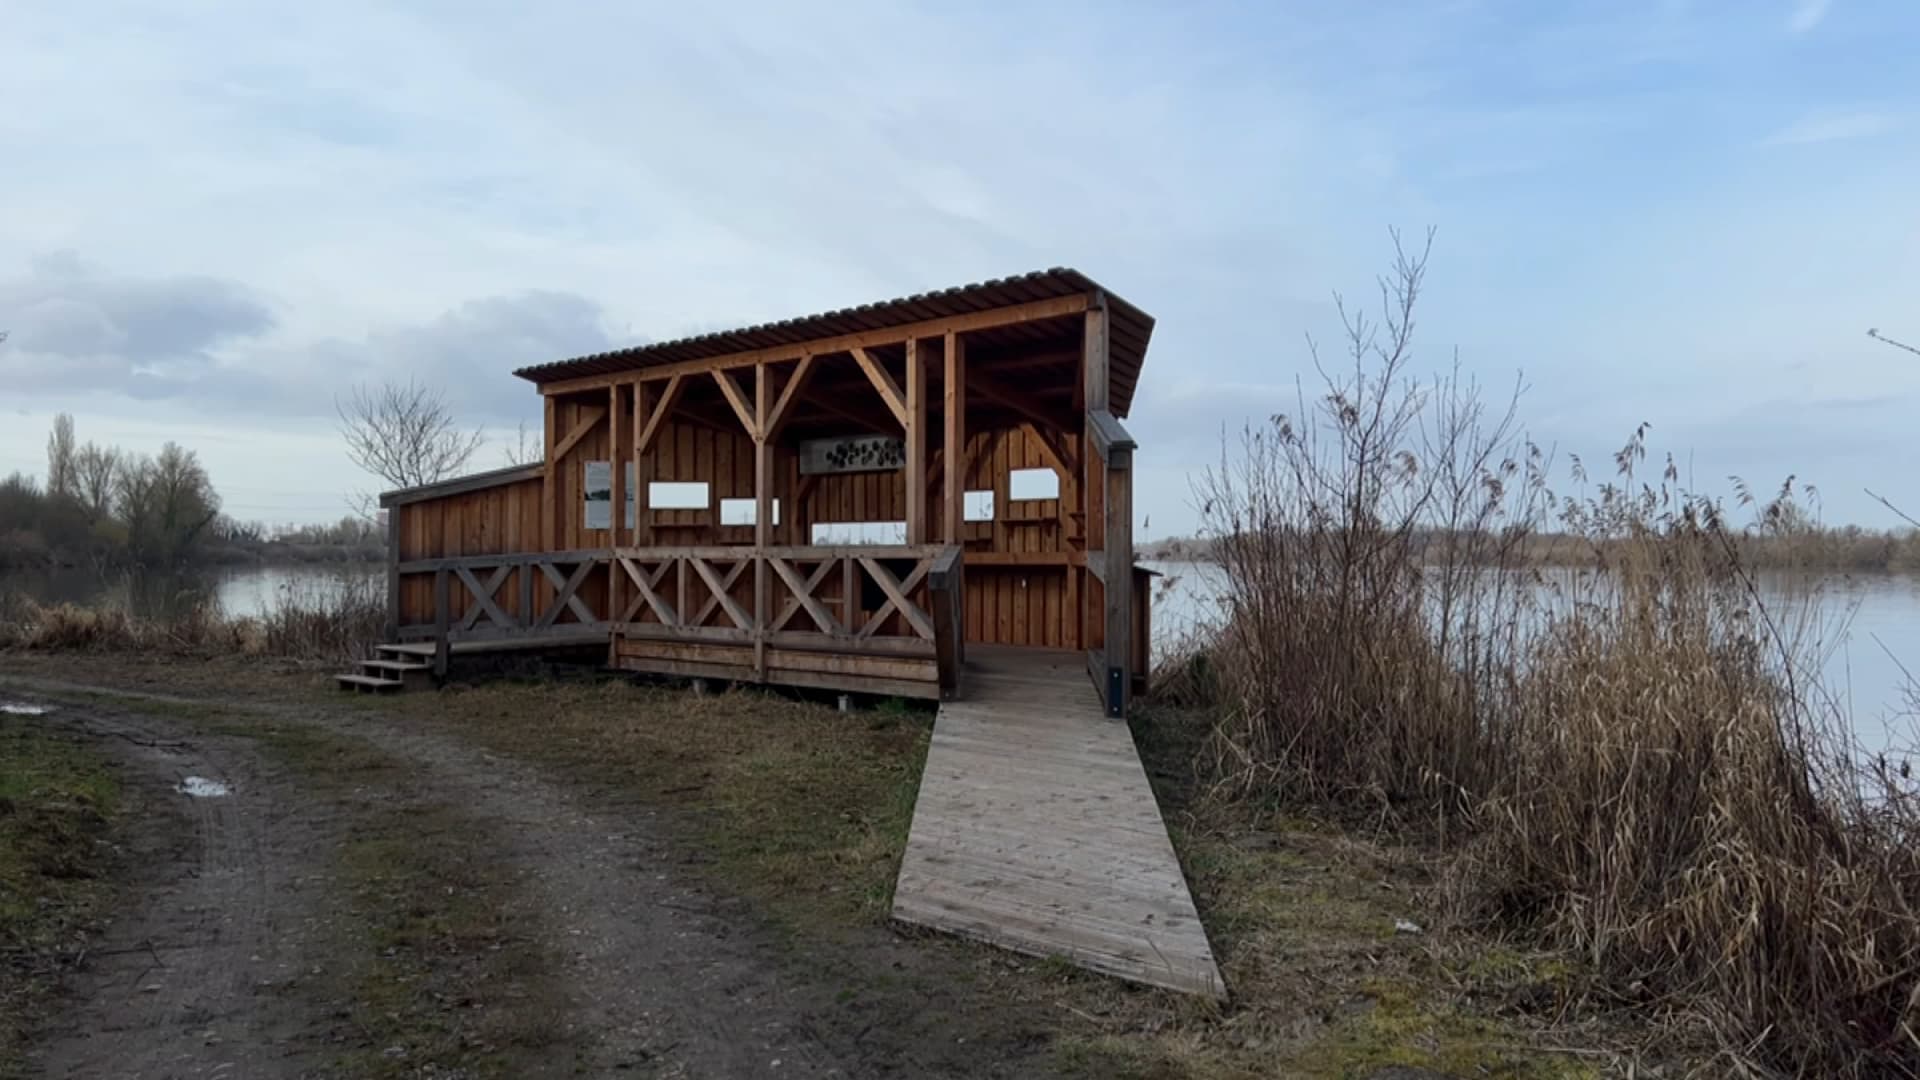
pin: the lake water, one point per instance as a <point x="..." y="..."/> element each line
<point x="1869" y="627"/>
<point x="240" y="591"/>
<point x="1872" y="623"/>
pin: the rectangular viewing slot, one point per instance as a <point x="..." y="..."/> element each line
<point x="827" y="533"/>
<point x="678" y="495"/>
<point x="1023" y="484"/>
<point x="741" y="511"/>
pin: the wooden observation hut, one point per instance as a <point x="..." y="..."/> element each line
<point x="849" y="501"/>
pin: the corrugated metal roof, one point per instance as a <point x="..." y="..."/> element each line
<point x="1130" y="328"/>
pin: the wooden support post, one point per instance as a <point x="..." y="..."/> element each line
<point x="393" y="573"/>
<point x="1095" y="382"/>
<point x="762" y="514"/>
<point x="616" y="491"/>
<point x="1115" y="515"/>
<point x="442" y="603"/>
<point x="642" y="535"/>
<point x="550" y="485"/>
<point x="1093" y="489"/>
<point x="955" y="443"/>
<point x="917" y="516"/>
<point x="1072" y="618"/>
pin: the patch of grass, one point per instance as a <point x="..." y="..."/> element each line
<point x="1396" y="1024"/>
<point x="445" y="978"/>
<point x="58" y="800"/>
<point x="801" y="808"/>
<point x="1118" y="1058"/>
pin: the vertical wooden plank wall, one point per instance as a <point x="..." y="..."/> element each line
<point x="503" y="519"/>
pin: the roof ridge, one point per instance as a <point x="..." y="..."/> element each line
<point x="533" y="372"/>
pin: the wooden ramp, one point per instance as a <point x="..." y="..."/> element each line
<point x="1036" y="830"/>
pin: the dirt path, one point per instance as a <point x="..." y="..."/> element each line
<point x="188" y="983"/>
<point x="661" y="977"/>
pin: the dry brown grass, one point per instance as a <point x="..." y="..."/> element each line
<point x="330" y="620"/>
<point x="1683" y="811"/>
<point x="69" y="627"/>
<point x="1640" y="767"/>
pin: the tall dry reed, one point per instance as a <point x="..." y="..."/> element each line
<point x="332" y="619"/>
<point x="1637" y="763"/>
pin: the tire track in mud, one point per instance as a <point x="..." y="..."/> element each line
<point x="190" y="980"/>
<point x="660" y="978"/>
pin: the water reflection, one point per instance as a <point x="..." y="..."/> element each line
<point x="1865" y="635"/>
<point x="240" y="591"/>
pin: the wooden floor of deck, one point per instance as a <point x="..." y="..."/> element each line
<point x="1036" y="829"/>
<point x="561" y="637"/>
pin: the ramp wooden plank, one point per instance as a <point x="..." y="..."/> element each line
<point x="1036" y="830"/>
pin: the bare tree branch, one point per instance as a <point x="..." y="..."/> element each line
<point x="405" y="435"/>
<point x="525" y="449"/>
<point x="1878" y="336"/>
<point x="95" y="469"/>
<point x="1884" y="501"/>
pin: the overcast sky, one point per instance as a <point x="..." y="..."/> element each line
<point x="215" y="216"/>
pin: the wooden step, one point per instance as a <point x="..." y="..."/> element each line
<point x="411" y="648"/>
<point x="368" y="683"/>
<point x="396" y="667"/>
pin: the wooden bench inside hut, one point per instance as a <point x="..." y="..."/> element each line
<point x="856" y="500"/>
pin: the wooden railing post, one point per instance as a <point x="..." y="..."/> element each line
<point x="944" y="585"/>
<point x="1119" y="583"/>
<point x="527" y="614"/>
<point x="762" y="513"/>
<point x="442" y="603"/>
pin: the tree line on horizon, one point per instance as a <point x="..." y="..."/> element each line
<point x="106" y="507"/>
<point x="1800" y="544"/>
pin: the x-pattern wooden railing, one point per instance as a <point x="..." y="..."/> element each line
<point x="897" y="600"/>
<point x="667" y="582"/>
<point x="709" y="575"/>
<point x="485" y="616"/>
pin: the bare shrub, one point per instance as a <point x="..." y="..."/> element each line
<point x="326" y="620"/>
<point x="1636" y="763"/>
<point x="330" y="619"/>
<point x="1348" y="533"/>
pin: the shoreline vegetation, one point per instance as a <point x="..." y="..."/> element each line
<point x="322" y="620"/>
<point x="1802" y="546"/>
<point x="1651" y="780"/>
